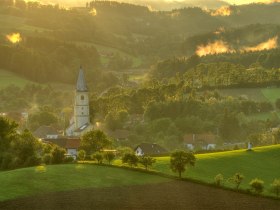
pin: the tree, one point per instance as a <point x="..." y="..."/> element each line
<point x="236" y="179"/>
<point x="109" y="156"/>
<point x="147" y="161"/>
<point x="82" y="154"/>
<point x="257" y="185"/>
<point x="130" y="158"/>
<point x="94" y="141"/>
<point x="180" y="159"/>
<point x="58" y="155"/>
<point x="98" y="157"/>
<point x="275" y="187"/>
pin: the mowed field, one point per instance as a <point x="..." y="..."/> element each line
<point x="85" y="186"/>
<point x="262" y="163"/>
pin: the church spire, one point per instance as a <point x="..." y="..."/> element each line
<point x="81" y="82"/>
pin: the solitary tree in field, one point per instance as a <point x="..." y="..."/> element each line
<point x="180" y="159"/>
<point x="147" y="161"/>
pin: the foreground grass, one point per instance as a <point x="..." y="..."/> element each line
<point x="262" y="162"/>
<point x="30" y="181"/>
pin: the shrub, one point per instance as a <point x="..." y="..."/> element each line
<point x="276" y="187"/>
<point x="130" y="159"/>
<point x="98" y="157"/>
<point x="109" y="156"/>
<point x="236" y="179"/>
<point x="58" y="155"/>
<point x="147" y="161"/>
<point x="257" y="185"/>
<point x="82" y="154"/>
<point x="69" y="159"/>
<point x="47" y="158"/>
<point x="219" y="178"/>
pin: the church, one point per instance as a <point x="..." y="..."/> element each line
<point x="80" y="122"/>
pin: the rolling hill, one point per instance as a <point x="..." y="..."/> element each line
<point x="260" y="163"/>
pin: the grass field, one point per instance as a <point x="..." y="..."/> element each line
<point x="262" y="162"/>
<point x="8" y="78"/>
<point x="31" y="181"/>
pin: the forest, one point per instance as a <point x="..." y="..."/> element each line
<point x="184" y="58"/>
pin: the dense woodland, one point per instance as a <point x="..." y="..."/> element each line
<point x="180" y="94"/>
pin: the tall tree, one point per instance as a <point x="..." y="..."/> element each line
<point x="180" y="159"/>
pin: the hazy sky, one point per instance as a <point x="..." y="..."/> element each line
<point x="82" y="2"/>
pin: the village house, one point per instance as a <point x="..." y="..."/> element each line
<point x="200" y="141"/>
<point x="71" y="145"/>
<point x="149" y="149"/>
<point x="46" y="132"/>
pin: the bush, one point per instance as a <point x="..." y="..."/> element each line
<point x="58" y="155"/>
<point x="47" y="158"/>
<point x="147" y="161"/>
<point x="236" y="179"/>
<point x="109" y="156"/>
<point x="69" y="159"/>
<point x="257" y="185"/>
<point x="276" y="187"/>
<point x="81" y="154"/>
<point x="219" y="178"/>
<point x="130" y="159"/>
<point x="98" y="157"/>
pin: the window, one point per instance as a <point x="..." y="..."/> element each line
<point x="82" y="97"/>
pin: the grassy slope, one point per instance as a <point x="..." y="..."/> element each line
<point x="8" y="78"/>
<point x="29" y="181"/>
<point x="261" y="163"/>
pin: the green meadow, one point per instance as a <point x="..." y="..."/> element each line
<point x="42" y="179"/>
<point x="262" y="163"/>
<point x="8" y="78"/>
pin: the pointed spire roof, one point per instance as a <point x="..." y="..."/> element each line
<point x="81" y="82"/>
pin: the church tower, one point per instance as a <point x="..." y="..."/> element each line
<point x="81" y="107"/>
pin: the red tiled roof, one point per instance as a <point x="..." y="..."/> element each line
<point x="72" y="143"/>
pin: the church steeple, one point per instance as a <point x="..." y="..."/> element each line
<point x="81" y="82"/>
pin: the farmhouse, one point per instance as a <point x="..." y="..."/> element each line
<point x="149" y="149"/>
<point x="46" y="132"/>
<point x="200" y="141"/>
<point x="70" y="144"/>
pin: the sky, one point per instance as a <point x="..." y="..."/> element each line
<point x="82" y="2"/>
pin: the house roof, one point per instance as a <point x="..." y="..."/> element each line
<point x="81" y="82"/>
<point x="151" y="149"/>
<point x="44" y="130"/>
<point x="206" y="138"/>
<point x="67" y="143"/>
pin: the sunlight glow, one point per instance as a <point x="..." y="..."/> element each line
<point x="222" y="11"/>
<point x="216" y="47"/>
<point x="269" y="44"/>
<point x="14" y="38"/>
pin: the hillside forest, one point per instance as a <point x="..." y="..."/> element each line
<point x="157" y="75"/>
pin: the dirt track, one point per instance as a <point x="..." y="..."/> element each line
<point x="172" y="195"/>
